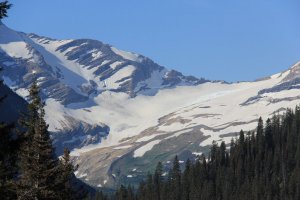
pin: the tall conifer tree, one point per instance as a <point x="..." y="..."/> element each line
<point x="42" y="175"/>
<point x="175" y="180"/>
<point x="158" y="180"/>
<point x="37" y="161"/>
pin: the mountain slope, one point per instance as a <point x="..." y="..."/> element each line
<point x="208" y="112"/>
<point x="121" y="113"/>
<point x="75" y="71"/>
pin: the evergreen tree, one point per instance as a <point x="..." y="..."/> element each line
<point x="141" y="193"/>
<point x="175" y="180"/>
<point x="149" y="188"/>
<point x="66" y="170"/>
<point x="130" y="193"/>
<point x="38" y="162"/>
<point x="99" y="196"/>
<point x="4" y="6"/>
<point x="186" y="181"/>
<point x="158" y="181"/>
<point x="42" y="176"/>
<point x="122" y="193"/>
<point x="8" y="154"/>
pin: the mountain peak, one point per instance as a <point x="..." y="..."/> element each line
<point x="296" y="66"/>
<point x="88" y="66"/>
<point x="292" y="73"/>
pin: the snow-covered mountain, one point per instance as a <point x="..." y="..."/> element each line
<point x="70" y="72"/>
<point x="121" y="113"/>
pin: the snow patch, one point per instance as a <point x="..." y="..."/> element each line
<point x="115" y="65"/>
<point x="82" y="175"/>
<point x="16" y="50"/>
<point x="23" y="92"/>
<point x="142" y="150"/>
<point x="146" y="138"/>
<point x="197" y="153"/>
<point x="111" y="82"/>
<point x="122" y="147"/>
<point x="96" y="54"/>
<point x="126" y="55"/>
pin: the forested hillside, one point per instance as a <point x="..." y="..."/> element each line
<point x="264" y="164"/>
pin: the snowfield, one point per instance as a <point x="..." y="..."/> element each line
<point x="218" y="103"/>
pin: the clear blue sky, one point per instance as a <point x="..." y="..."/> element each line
<point x="216" y="39"/>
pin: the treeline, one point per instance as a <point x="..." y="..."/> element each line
<point x="264" y="164"/>
<point x="29" y="168"/>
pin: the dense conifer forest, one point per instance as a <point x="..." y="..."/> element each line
<point x="264" y="164"/>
